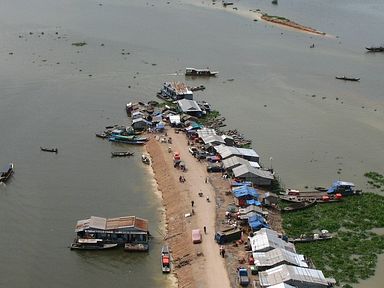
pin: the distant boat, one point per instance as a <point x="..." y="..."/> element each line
<point x="54" y="150"/>
<point x="91" y="244"/>
<point x="122" y="154"/>
<point x="299" y="206"/>
<point x="375" y="49"/>
<point x="6" y="173"/>
<point x="130" y="137"/>
<point x="200" y="72"/>
<point x="347" y="78"/>
<point x="165" y="259"/>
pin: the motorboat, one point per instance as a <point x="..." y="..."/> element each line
<point x="91" y="244"/>
<point x="165" y="259"/>
<point x="6" y="173"/>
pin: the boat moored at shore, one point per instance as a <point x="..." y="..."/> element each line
<point x="165" y="259"/>
<point x="121" y="154"/>
<point x="91" y="244"/>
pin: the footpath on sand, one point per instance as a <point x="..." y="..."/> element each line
<point x="195" y="265"/>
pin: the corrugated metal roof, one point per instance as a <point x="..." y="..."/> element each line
<point x="188" y="105"/>
<point x="100" y="223"/>
<point x="248" y="152"/>
<point x="278" y="256"/>
<point x="285" y="273"/>
<point x="179" y="87"/>
<point x="281" y="285"/>
<point x="235" y="161"/>
<point x="245" y="171"/>
<point x="206" y="131"/>
<point x="212" y="138"/>
<point x="267" y="239"/>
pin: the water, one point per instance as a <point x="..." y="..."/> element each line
<point x="47" y="98"/>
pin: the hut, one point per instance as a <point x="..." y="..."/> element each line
<point x="190" y="107"/>
<point x="276" y="257"/>
<point x="244" y="193"/>
<point x="256" y="176"/>
<point x="229" y="151"/>
<point x="235" y="161"/>
<point x="140" y="124"/>
<point x="266" y="239"/>
<point x="299" y="277"/>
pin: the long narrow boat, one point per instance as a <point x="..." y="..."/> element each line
<point x="375" y="49"/>
<point x="299" y="206"/>
<point x="91" y="244"/>
<point x="165" y="259"/>
<point x="200" y="72"/>
<point x="6" y="173"/>
<point x="134" y="142"/>
<point x="102" y="135"/>
<point x="122" y="154"/>
<point x="311" y="238"/>
<point x="347" y="78"/>
<point x="130" y="137"/>
<point x="54" y="150"/>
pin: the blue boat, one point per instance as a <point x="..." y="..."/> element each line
<point x="130" y="138"/>
<point x="133" y="142"/>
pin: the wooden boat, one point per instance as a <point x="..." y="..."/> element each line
<point x="323" y="235"/>
<point x="54" y="150"/>
<point x="165" y="259"/>
<point x="6" y="173"/>
<point x="132" y="142"/>
<point x="200" y="72"/>
<point x="375" y="49"/>
<point x="136" y="247"/>
<point x="299" y="206"/>
<point x="91" y="244"/>
<point x="122" y="154"/>
<point x="130" y="137"/>
<point x="145" y="159"/>
<point x="198" y="88"/>
<point x="347" y="78"/>
<point x="102" y="135"/>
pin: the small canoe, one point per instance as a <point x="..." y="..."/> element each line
<point x="347" y="78"/>
<point x="91" y="244"/>
<point x="165" y="259"/>
<point x="122" y="154"/>
<point x="54" y="150"/>
<point x="102" y="135"/>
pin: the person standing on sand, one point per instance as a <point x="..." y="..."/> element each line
<point x="205" y="230"/>
<point x="192" y="203"/>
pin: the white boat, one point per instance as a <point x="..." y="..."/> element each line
<point x="145" y="159"/>
<point x="165" y="259"/>
<point x="91" y="244"/>
<point x="200" y="72"/>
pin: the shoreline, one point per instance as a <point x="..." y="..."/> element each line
<point x="190" y="261"/>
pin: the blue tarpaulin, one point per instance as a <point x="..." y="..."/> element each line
<point x="244" y="190"/>
<point x="253" y="202"/>
<point x="237" y="184"/>
<point x="257" y="222"/>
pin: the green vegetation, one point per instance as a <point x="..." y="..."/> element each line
<point x="376" y="180"/>
<point x="352" y="253"/>
<point x="79" y="44"/>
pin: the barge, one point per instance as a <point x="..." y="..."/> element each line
<point x="200" y="72"/>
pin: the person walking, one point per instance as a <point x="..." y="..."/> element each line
<point x="205" y="230"/>
<point x="192" y="203"/>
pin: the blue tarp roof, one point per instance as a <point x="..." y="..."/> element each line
<point x="245" y="191"/>
<point x="160" y="125"/>
<point x="237" y="184"/>
<point x="337" y="184"/>
<point x="257" y="222"/>
<point x="253" y="202"/>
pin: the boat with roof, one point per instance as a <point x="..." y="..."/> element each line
<point x="200" y="72"/>
<point x="173" y="91"/>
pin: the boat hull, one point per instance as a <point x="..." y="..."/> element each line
<point x="77" y="246"/>
<point x="7" y="173"/>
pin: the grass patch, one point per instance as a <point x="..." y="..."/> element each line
<point x="352" y="253"/>
<point x="376" y="180"/>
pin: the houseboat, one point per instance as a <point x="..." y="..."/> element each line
<point x="200" y="72"/>
<point x="129" y="232"/>
<point x="6" y="173"/>
<point x="173" y="91"/>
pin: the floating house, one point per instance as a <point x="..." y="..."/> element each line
<point x="276" y="257"/>
<point x="298" y="277"/>
<point x="137" y="114"/>
<point x="256" y="176"/>
<point x="131" y="232"/>
<point x="176" y="91"/>
<point x="190" y="107"/>
<point x="266" y="239"/>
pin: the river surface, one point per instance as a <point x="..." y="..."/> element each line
<point x="311" y="128"/>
